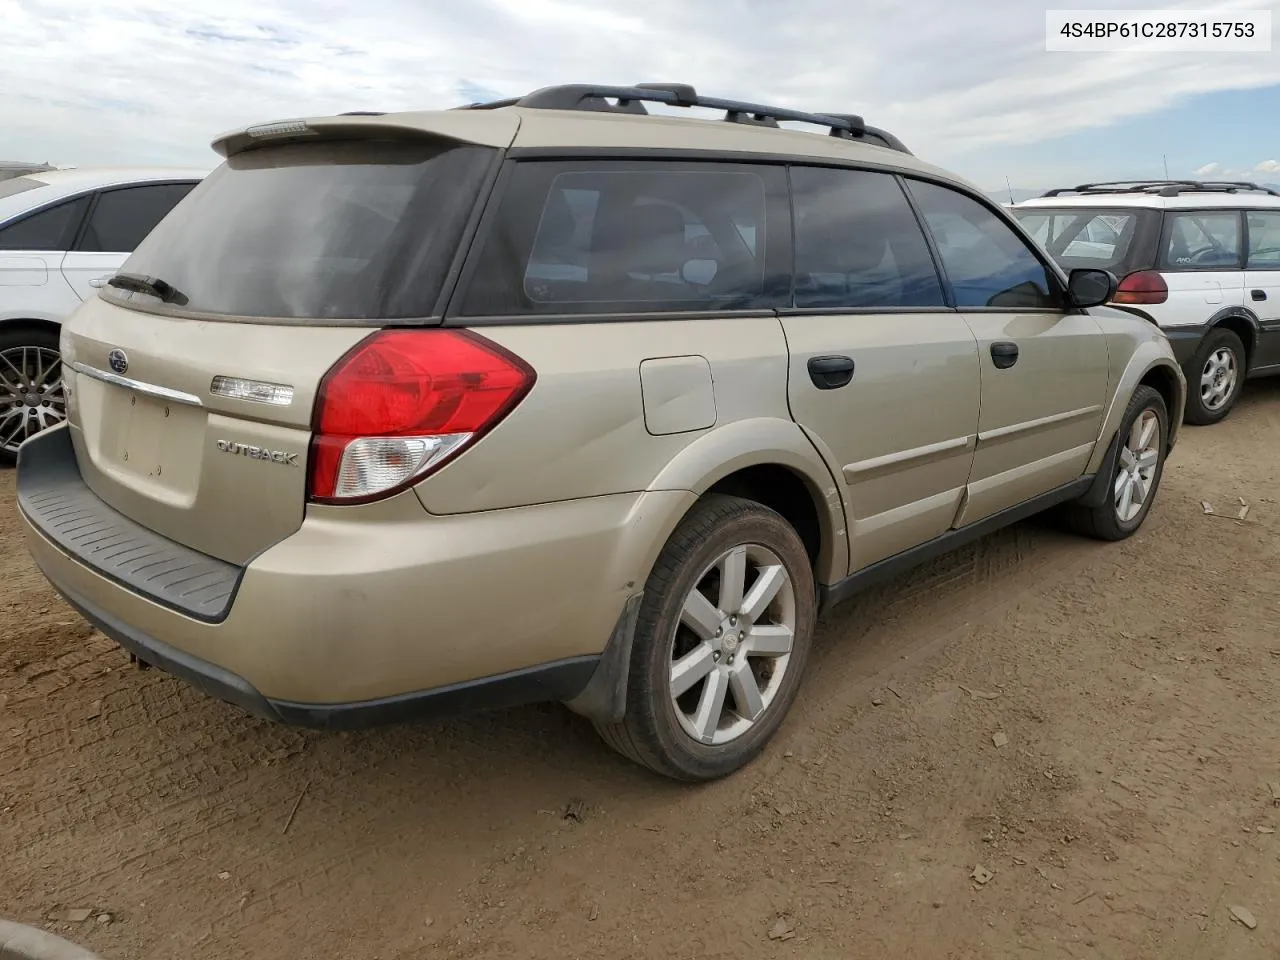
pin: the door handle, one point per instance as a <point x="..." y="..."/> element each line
<point x="99" y="282"/>
<point x="1257" y="294"/>
<point x="1004" y="354"/>
<point x="827" y="373"/>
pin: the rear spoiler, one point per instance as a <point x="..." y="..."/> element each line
<point x="490" y="128"/>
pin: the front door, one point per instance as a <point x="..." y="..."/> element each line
<point x="1262" y="283"/>
<point x="1044" y="369"/>
<point x="883" y="374"/>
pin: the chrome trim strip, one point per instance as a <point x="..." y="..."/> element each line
<point x="1057" y="418"/>
<point x="150" y="389"/>
<point x="853" y="470"/>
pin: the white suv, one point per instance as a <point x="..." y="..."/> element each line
<point x="1199" y="258"/>
<point x="62" y="233"/>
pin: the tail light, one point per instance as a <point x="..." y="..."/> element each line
<point x="403" y="403"/>
<point x="1145" y="286"/>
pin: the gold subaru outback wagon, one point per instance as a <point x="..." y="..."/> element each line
<point x="555" y="399"/>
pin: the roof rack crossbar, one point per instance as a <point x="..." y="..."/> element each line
<point x="616" y="99"/>
<point x="1163" y="188"/>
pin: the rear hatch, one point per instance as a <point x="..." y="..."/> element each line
<point x="192" y="379"/>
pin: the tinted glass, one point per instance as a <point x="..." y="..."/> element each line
<point x="352" y="230"/>
<point x="16" y="185"/>
<point x="1264" y="240"/>
<point x="48" y="229"/>
<point x="123" y="217"/>
<point x="1097" y="239"/>
<point x="1201" y="240"/>
<point x="986" y="262"/>
<point x="600" y="237"/>
<point x="857" y="243"/>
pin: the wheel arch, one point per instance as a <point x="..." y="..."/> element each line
<point x="1152" y="364"/>
<point x="772" y="462"/>
<point x="1244" y="323"/>
<point x="31" y="323"/>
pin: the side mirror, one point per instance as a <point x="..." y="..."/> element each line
<point x="1091" y="288"/>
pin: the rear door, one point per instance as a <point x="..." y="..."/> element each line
<point x="193" y="416"/>
<point x="1202" y="261"/>
<point x="31" y="252"/>
<point x="1262" y="282"/>
<point x="1044" y="369"/>
<point x="884" y="374"/>
<point x="119" y="219"/>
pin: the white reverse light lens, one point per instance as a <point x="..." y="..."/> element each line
<point x="371" y="465"/>
<point x="257" y="391"/>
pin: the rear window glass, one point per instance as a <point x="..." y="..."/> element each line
<point x="1097" y="239"/>
<point x="349" y="230"/>
<point x="607" y="238"/>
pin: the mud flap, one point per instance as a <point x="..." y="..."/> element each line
<point x="1100" y="489"/>
<point x="604" y="698"/>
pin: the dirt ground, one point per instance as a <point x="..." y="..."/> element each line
<point x="1129" y="811"/>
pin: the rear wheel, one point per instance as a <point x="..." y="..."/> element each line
<point x="1215" y="377"/>
<point x="721" y="642"/>
<point x="31" y="396"/>
<point x="1131" y="488"/>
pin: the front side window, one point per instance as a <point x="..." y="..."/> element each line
<point x="50" y="229"/>
<point x="123" y="217"/>
<point x="620" y="236"/>
<point x="857" y="243"/>
<point x="986" y="262"/>
<point x="1264" y="240"/>
<point x="1201" y="240"/>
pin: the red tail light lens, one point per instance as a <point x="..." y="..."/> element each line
<point x="1145" y="286"/>
<point x="401" y="404"/>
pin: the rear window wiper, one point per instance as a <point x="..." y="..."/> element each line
<point x="154" y="286"/>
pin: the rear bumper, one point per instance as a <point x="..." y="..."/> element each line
<point x="374" y="613"/>
<point x="1185" y="341"/>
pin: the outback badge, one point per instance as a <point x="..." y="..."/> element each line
<point x="258" y="453"/>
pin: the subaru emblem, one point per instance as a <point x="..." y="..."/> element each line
<point x="118" y="361"/>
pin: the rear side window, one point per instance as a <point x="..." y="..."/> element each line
<point x="1097" y="239"/>
<point x="347" y="230"/>
<point x="857" y="242"/>
<point x="622" y="237"/>
<point x="987" y="263"/>
<point x="123" y="217"/>
<point x="1264" y="240"/>
<point x="50" y="229"/>
<point x="1201" y="240"/>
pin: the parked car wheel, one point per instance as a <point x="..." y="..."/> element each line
<point x="31" y="397"/>
<point x="1215" y="378"/>
<point x="721" y="642"/>
<point x="1136" y="475"/>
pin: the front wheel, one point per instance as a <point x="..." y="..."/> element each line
<point x="1215" y="378"/>
<point x="1135" y="477"/>
<point x="721" y="641"/>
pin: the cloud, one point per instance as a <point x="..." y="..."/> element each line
<point x="1259" y="171"/>
<point x="156" y="80"/>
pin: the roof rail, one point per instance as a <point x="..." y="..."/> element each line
<point x="1163" y="188"/>
<point x="631" y="100"/>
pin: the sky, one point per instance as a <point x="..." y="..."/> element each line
<point x="968" y="87"/>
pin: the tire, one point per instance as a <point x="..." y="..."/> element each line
<point x="1112" y="520"/>
<point x="16" y="420"/>
<point x="660" y="731"/>
<point x="1205" y="407"/>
